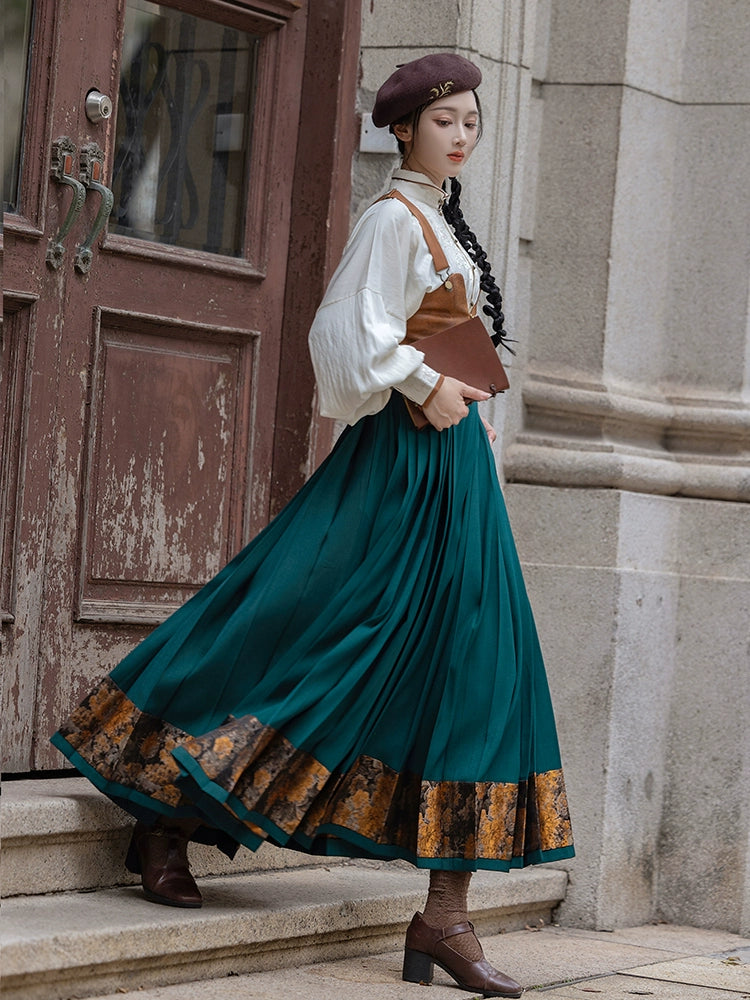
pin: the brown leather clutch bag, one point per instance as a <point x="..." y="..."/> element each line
<point x="464" y="352"/>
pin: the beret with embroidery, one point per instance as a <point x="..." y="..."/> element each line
<point x="421" y="82"/>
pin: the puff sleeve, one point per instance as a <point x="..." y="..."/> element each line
<point x="356" y="336"/>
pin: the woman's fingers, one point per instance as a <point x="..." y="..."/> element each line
<point x="448" y="406"/>
<point x="471" y="392"/>
<point x="491" y="434"/>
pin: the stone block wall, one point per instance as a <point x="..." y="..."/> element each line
<point x="610" y="190"/>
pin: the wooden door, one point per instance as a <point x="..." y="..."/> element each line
<point x="140" y="363"/>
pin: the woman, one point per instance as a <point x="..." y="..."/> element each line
<point x="364" y="679"/>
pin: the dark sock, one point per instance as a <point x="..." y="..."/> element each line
<point x="447" y="905"/>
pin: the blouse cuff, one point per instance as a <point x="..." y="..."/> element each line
<point x="418" y="386"/>
<point x="432" y="394"/>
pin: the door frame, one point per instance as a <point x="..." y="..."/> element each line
<point x="321" y="206"/>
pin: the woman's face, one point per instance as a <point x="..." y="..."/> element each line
<point x="444" y="137"/>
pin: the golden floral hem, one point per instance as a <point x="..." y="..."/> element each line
<point x="125" y="745"/>
<point x="275" y="788"/>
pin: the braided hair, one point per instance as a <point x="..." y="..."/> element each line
<point x="455" y="218"/>
<point x="467" y="239"/>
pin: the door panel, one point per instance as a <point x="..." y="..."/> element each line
<point x="167" y="437"/>
<point x="14" y="376"/>
<point x="140" y="381"/>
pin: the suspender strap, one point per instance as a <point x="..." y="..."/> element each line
<point x="433" y="243"/>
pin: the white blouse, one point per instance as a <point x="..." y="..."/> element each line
<point x="385" y="272"/>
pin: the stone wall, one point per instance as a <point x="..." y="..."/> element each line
<point x="611" y="191"/>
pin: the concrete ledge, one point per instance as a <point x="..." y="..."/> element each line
<point x="61" y="834"/>
<point x="82" y="944"/>
<point x="586" y="434"/>
<point x="563" y="963"/>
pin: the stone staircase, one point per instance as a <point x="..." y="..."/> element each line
<point x="75" y="925"/>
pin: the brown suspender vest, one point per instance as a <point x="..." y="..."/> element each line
<point x="447" y="304"/>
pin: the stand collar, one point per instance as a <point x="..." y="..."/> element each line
<point x="418" y="187"/>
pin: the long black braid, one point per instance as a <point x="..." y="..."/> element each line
<point x="467" y="239"/>
<point x="455" y="218"/>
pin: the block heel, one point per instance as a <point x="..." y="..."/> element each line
<point x="428" y="946"/>
<point x="418" y="967"/>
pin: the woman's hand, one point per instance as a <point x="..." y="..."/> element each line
<point x="448" y="406"/>
<point x="491" y="434"/>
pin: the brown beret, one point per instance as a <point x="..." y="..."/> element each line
<point x="421" y="82"/>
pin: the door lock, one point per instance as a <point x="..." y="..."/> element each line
<point x="98" y="106"/>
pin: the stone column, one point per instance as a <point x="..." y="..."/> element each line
<point x="610" y="190"/>
<point x="629" y="463"/>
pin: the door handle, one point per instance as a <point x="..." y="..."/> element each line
<point x="92" y="169"/>
<point x="63" y="162"/>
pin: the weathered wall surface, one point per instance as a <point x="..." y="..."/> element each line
<point x="610" y="190"/>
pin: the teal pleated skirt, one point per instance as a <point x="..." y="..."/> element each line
<point x="364" y="679"/>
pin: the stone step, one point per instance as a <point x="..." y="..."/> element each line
<point x="63" y="945"/>
<point x="61" y="835"/>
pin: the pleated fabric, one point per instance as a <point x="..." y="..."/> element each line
<point x="363" y="679"/>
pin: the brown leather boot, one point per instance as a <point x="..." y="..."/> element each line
<point x="427" y="946"/>
<point x="159" y="855"/>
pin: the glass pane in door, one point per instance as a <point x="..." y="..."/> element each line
<point x="184" y="126"/>
<point x="17" y="31"/>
